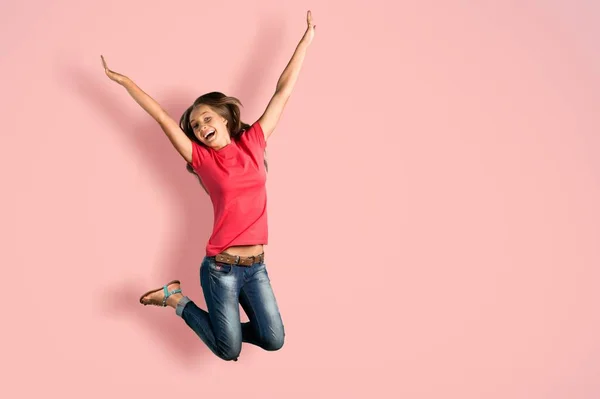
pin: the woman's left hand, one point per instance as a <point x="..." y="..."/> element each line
<point x="310" y="30"/>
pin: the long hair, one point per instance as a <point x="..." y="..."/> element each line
<point x="227" y="107"/>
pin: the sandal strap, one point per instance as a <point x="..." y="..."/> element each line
<point x="168" y="294"/>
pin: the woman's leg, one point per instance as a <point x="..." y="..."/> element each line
<point x="220" y="327"/>
<point x="265" y="328"/>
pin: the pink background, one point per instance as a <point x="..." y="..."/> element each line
<point x="434" y="198"/>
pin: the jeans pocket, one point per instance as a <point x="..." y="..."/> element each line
<point x="219" y="268"/>
<point x="259" y="269"/>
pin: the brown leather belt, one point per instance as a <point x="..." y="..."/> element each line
<point x="239" y="260"/>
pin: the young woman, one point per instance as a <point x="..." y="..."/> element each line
<point x="228" y="158"/>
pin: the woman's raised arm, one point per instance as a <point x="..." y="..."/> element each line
<point x="171" y="128"/>
<point x="285" y="85"/>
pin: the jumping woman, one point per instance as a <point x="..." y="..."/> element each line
<point x="227" y="156"/>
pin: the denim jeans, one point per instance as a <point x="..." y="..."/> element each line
<point x="226" y="287"/>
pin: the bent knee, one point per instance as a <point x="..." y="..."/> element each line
<point x="229" y="353"/>
<point x="274" y="342"/>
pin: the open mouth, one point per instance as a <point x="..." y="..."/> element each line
<point x="209" y="134"/>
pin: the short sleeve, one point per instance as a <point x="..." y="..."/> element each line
<point x="255" y="136"/>
<point x="198" y="154"/>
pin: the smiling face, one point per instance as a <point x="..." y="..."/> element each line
<point x="209" y="127"/>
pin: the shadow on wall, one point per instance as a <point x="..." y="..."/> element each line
<point x="185" y="250"/>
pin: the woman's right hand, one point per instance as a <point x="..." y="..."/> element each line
<point x="117" y="77"/>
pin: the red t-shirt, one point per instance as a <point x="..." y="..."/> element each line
<point x="235" y="178"/>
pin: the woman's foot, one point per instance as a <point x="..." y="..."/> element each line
<point x="168" y="295"/>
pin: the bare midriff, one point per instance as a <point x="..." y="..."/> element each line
<point x="245" y="250"/>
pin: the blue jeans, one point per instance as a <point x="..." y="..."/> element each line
<point x="225" y="287"/>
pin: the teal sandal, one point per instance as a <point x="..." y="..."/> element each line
<point x="166" y="296"/>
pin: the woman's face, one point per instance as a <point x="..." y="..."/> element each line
<point x="209" y="127"/>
